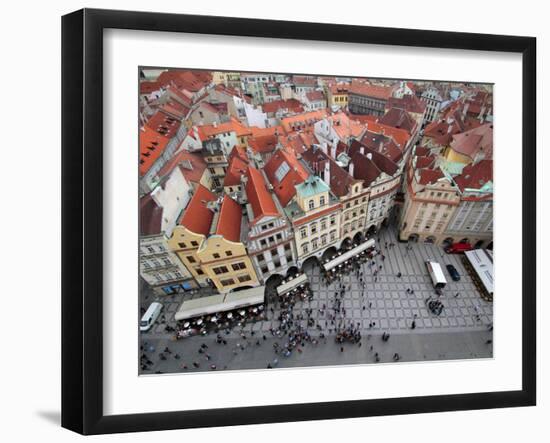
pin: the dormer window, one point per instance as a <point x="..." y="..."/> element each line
<point x="311" y="204"/>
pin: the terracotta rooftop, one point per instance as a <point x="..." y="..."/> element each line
<point x="383" y="163"/>
<point x="151" y="146"/>
<point x="383" y="145"/>
<point x="427" y="176"/>
<point x="475" y="141"/>
<point x="370" y="90"/>
<point x="398" y="118"/>
<point x="229" y="220"/>
<point x="303" y="121"/>
<point x="340" y="181"/>
<point x="263" y="144"/>
<point x="475" y="176"/>
<point x="315" y="96"/>
<point x="191" y="165"/>
<point x="163" y="124"/>
<point x="191" y="80"/>
<point x="259" y="197"/>
<point x="291" y="105"/>
<point x="196" y="216"/>
<point x="284" y="171"/>
<point x="233" y="125"/>
<point x="237" y="167"/>
<point x="409" y="103"/>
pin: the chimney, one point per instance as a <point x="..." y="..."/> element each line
<point x="449" y="129"/>
<point x="351" y="168"/>
<point x="381" y="147"/>
<point x="465" y="109"/>
<point x="215" y="124"/>
<point x="195" y="133"/>
<point x="369" y="156"/>
<point x="362" y="150"/>
<point x="333" y="151"/>
<point x="324" y="147"/>
<point x="326" y="176"/>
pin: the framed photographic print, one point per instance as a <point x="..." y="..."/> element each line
<point x="270" y="221"/>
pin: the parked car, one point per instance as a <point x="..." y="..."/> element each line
<point x="453" y="272"/>
<point x="458" y="248"/>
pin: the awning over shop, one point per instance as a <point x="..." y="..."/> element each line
<point x="349" y="254"/>
<point x="213" y="304"/>
<point x="290" y="285"/>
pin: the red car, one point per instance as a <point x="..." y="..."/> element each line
<point x="458" y="248"/>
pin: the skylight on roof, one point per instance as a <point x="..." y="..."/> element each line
<point x="282" y="171"/>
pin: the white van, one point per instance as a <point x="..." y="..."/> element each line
<point x="150" y="316"/>
<point x="436" y="273"/>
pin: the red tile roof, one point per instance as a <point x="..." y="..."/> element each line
<point x="383" y="145"/>
<point x="475" y="141"/>
<point x="475" y="176"/>
<point x="292" y="105"/>
<point x="428" y="176"/>
<point x="398" y="118"/>
<point x="146" y="87"/>
<point x="229" y="220"/>
<point x="259" y="132"/>
<point x="196" y="216"/>
<point x="191" y="80"/>
<point x="424" y="162"/>
<point x="370" y="90"/>
<point x="233" y="125"/>
<point x="409" y="103"/>
<point x="296" y="174"/>
<point x="259" y="196"/>
<point x="303" y="121"/>
<point x="263" y="144"/>
<point x="315" y="96"/>
<point x="340" y="181"/>
<point x="192" y="166"/>
<point x="163" y="124"/>
<point x="383" y="162"/>
<point x="237" y="167"/>
<point x="151" y="146"/>
<point x="339" y="88"/>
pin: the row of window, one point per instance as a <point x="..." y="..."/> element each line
<point x="313" y="226"/>
<point x="322" y="202"/>
<point x="315" y="242"/>
<point x="231" y="281"/>
<point x="224" y="270"/>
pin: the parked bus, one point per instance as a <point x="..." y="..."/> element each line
<point x="436" y="273"/>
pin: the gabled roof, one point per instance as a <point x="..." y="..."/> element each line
<point x="191" y="165"/>
<point x="424" y="161"/>
<point x="315" y="96"/>
<point x="151" y="147"/>
<point x="384" y="163"/>
<point x="409" y="103"/>
<point x="340" y="181"/>
<point x="369" y="90"/>
<point x="259" y="197"/>
<point x="398" y="118"/>
<point x="475" y="176"/>
<point x="197" y="217"/>
<point x="229" y="220"/>
<point x="237" y="167"/>
<point x="284" y="172"/>
<point x="263" y="144"/>
<point x="364" y="168"/>
<point x="475" y="141"/>
<point x="233" y="125"/>
<point x="303" y="121"/>
<point x="191" y="80"/>
<point x="382" y="145"/>
<point x="291" y="105"/>
<point x="427" y="176"/>
<point x="273" y="130"/>
<point x="163" y="124"/>
<point x="344" y="126"/>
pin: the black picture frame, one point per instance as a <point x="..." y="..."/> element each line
<point x="82" y="219"/>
